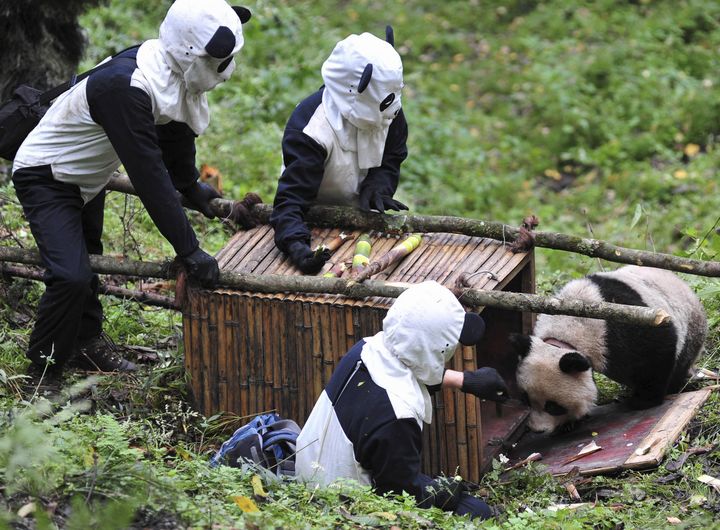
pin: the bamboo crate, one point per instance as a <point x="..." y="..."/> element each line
<point x="248" y="353"/>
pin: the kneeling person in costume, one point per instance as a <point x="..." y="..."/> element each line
<point x="142" y="109"/>
<point x="367" y="424"/>
<point x="344" y="144"/>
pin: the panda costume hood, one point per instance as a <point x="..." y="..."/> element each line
<point x="363" y="80"/>
<point x="420" y="333"/>
<point x="194" y="53"/>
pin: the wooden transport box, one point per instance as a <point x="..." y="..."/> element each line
<point x="248" y="353"/>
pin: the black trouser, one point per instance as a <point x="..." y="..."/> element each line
<point x="65" y="231"/>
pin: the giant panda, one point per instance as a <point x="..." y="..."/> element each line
<point x="556" y="362"/>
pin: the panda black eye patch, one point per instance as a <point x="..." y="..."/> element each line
<point x="525" y="399"/>
<point x="554" y="409"/>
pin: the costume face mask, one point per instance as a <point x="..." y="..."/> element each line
<point x="202" y="39"/>
<point x="205" y="73"/>
<point x="377" y="103"/>
<point x="363" y="75"/>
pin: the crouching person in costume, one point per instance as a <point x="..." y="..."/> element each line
<point x="367" y="423"/>
<point x="343" y="145"/>
<point x="142" y="110"/>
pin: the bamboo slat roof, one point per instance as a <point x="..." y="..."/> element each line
<point x="441" y="257"/>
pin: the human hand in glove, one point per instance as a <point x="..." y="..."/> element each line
<point x="485" y="383"/>
<point x="373" y="198"/>
<point x="202" y="267"/>
<point x="306" y="260"/>
<point x="200" y="194"/>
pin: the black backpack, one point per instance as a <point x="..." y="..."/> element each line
<point x="22" y="112"/>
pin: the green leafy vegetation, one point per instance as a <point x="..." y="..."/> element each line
<point x="598" y="117"/>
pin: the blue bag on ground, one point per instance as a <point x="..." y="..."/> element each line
<point x="267" y="440"/>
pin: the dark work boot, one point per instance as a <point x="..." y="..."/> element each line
<point x="101" y="354"/>
<point x="42" y="381"/>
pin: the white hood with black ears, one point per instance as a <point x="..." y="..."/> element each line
<point x="363" y="80"/>
<point x="195" y="53"/>
<point x="420" y="334"/>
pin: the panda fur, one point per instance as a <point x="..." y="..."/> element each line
<point x="556" y="361"/>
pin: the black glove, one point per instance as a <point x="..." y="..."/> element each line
<point x="443" y="492"/>
<point x="200" y="194"/>
<point x="202" y="267"/>
<point x="378" y="200"/>
<point x="485" y="383"/>
<point x="306" y="260"/>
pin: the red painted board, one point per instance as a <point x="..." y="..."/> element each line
<point x="498" y="432"/>
<point x="619" y="429"/>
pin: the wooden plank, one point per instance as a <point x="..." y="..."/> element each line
<point x="268" y="357"/>
<point x="291" y="343"/>
<point x="450" y="258"/>
<point x="233" y="353"/>
<point x="309" y="354"/>
<point x="349" y="317"/>
<point x="208" y="383"/>
<point x="472" y="263"/>
<point x="667" y="430"/>
<point x="473" y="419"/>
<point x="222" y="354"/>
<point x="317" y="349"/>
<point x="327" y="332"/>
<point x="244" y="315"/>
<point x="244" y="259"/>
<point x="193" y="351"/>
<point x="620" y="431"/>
<point x="254" y="353"/>
<point x="451" y="425"/>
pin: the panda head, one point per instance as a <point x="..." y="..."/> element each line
<point x="555" y="381"/>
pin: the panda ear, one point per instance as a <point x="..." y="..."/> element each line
<point x="574" y="362"/>
<point x="243" y="13"/>
<point x="390" y="35"/>
<point x="365" y="78"/>
<point x="520" y="344"/>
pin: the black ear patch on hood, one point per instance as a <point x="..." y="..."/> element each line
<point x="390" y="35"/>
<point x="221" y="44"/>
<point x="574" y="362"/>
<point x="474" y="326"/>
<point x="365" y="78"/>
<point x="243" y="13"/>
<point x="520" y="344"/>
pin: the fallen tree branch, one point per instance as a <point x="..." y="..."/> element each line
<point x="344" y="217"/>
<point x="143" y="297"/>
<point x="275" y="283"/>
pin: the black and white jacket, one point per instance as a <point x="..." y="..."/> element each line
<point x="353" y="432"/>
<point x="107" y="120"/>
<point x="317" y="170"/>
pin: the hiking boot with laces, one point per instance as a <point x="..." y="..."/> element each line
<point x="102" y="355"/>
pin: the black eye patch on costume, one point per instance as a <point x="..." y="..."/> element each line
<point x="385" y="103"/>
<point x="221" y="44"/>
<point x="223" y="65"/>
<point x="554" y="409"/>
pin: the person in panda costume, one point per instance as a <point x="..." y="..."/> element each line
<point x="367" y="423"/>
<point x="142" y="109"/>
<point x="557" y="360"/>
<point x="344" y="144"/>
